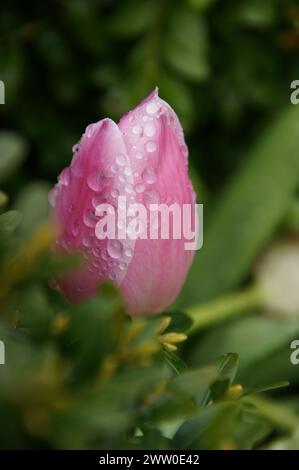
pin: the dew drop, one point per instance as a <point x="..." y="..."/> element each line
<point x="139" y="155"/>
<point x="128" y="252"/>
<point x="120" y="160"/>
<point x="128" y="171"/>
<point x="137" y="130"/>
<point x="114" y="192"/>
<point x="91" y="129"/>
<point x="95" y="181"/>
<point x="114" y="248"/>
<point x="150" y="146"/>
<point x="89" y="218"/>
<point x="152" y="107"/>
<point x="64" y="177"/>
<point x="97" y="200"/>
<point x="184" y="150"/>
<point x="129" y="188"/>
<point x="149" y="129"/>
<point x="122" y="266"/>
<point x="75" y="148"/>
<point x="87" y="240"/>
<point x="149" y="175"/>
<point x="96" y="252"/>
<point x="53" y="195"/>
<point x="104" y="255"/>
<point x="76" y="228"/>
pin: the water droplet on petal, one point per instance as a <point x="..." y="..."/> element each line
<point x="128" y="171"/>
<point x="114" y="192"/>
<point x="139" y="155"/>
<point x="53" y="195"/>
<point x="96" y="252"/>
<point x="121" y="160"/>
<point x="104" y="255"/>
<point x="150" y="146"/>
<point x="87" y="240"/>
<point x="114" y="248"/>
<point x="122" y="266"/>
<point x="128" y="252"/>
<point x="149" y="129"/>
<point x="149" y="175"/>
<point x="96" y="181"/>
<point x="76" y="228"/>
<point x="137" y="130"/>
<point x="75" y="148"/>
<point x="152" y="107"/>
<point x="129" y="188"/>
<point x="97" y="200"/>
<point x="91" y="129"/>
<point x="64" y="177"/>
<point x="89" y="218"/>
<point x="184" y="150"/>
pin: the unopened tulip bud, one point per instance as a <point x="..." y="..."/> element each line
<point x="142" y="160"/>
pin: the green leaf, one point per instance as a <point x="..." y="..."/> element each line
<point x="35" y="314"/>
<point x="227" y="368"/>
<point x="32" y="203"/>
<point x="196" y="383"/>
<point x="180" y="322"/>
<point x="247" y="212"/>
<point x="200" y="5"/>
<point x="269" y="334"/>
<point x="175" y="362"/>
<point x="132" y="17"/>
<point x="222" y="426"/>
<point x="3" y="199"/>
<point x="12" y="153"/>
<point x="93" y="332"/>
<point x="258" y="13"/>
<point x="9" y="222"/>
<point x="185" y="45"/>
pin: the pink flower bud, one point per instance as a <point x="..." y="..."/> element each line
<point x="141" y="160"/>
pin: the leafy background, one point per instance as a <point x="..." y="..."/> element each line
<point x="226" y="68"/>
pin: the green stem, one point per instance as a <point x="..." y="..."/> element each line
<point x="221" y="309"/>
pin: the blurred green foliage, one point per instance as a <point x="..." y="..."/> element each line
<point x="88" y="376"/>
